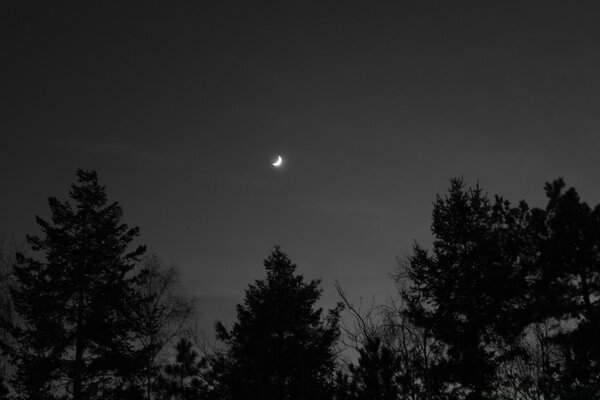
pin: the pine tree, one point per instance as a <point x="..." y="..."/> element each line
<point x="77" y="300"/>
<point x="471" y="292"/>
<point x="281" y="346"/>
<point x="568" y="286"/>
<point x="376" y="376"/>
<point x="181" y="379"/>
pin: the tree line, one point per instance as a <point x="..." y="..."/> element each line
<point x="503" y="305"/>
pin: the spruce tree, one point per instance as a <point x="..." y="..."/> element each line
<point x="281" y="346"/>
<point x="77" y="300"/>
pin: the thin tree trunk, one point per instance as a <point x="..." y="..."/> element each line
<point x="77" y="371"/>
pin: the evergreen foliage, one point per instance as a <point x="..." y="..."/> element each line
<point x="77" y="301"/>
<point x="505" y="305"/>
<point x="181" y="379"/>
<point x="567" y="288"/>
<point x="281" y="346"/>
<point x="377" y="374"/>
<point x="471" y="292"/>
<point x="6" y="316"/>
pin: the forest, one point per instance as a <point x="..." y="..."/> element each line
<point x="503" y="305"/>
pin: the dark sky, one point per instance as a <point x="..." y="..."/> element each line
<point x="373" y="105"/>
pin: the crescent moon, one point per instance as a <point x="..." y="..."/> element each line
<point x="278" y="162"/>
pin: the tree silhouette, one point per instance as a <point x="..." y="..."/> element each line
<point x="471" y="292"/>
<point x="77" y="301"/>
<point x="6" y="314"/>
<point x="161" y="318"/>
<point x="506" y="305"/>
<point x="181" y="379"/>
<point x="377" y="374"/>
<point x="280" y="347"/>
<point x="568" y="286"/>
<point x="395" y="356"/>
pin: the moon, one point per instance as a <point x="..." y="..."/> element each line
<point x="278" y="162"/>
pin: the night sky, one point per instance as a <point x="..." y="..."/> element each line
<point x="373" y="105"/>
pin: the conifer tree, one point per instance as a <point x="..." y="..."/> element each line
<point x="77" y="300"/>
<point x="568" y="286"/>
<point x="181" y="379"/>
<point x="376" y="376"/>
<point x="471" y="292"/>
<point x="281" y="346"/>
